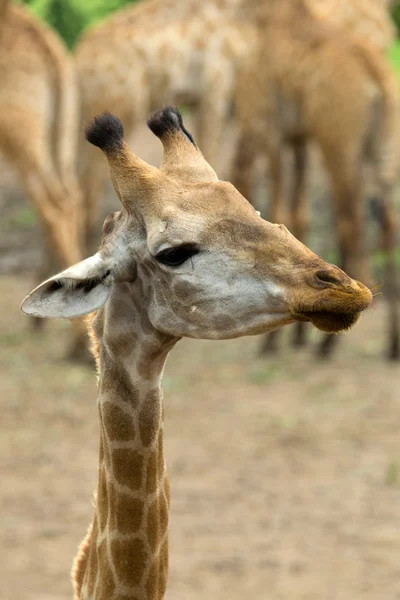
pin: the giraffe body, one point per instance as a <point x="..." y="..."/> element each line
<point x="39" y="124"/>
<point x="186" y="256"/>
<point x="185" y="52"/>
<point x="315" y="83"/>
<point x="38" y="132"/>
<point x="160" y="52"/>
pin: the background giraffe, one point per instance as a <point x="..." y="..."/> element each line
<point x="39" y="122"/>
<point x="184" y="254"/>
<point x="288" y="103"/>
<point x="130" y="53"/>
<point x="158" y="52"/>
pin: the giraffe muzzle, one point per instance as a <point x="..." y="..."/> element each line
<point x="338" y="304"/>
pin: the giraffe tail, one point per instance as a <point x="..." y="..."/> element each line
<point x="65" y="128"/>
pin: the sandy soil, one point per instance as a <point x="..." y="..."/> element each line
<point x="284" y="473"/>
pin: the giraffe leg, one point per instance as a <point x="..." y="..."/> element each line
<point x="298" y="216"/>
<point x="214" y="110"/>
<point x="48" y="267"/>
<point x="64" y="234"/>
<point x="243" y="165"/>
<point x="270" y="343"/>
<point x="57" y="209"/>
<point x="347" y="191"/>
<point x="275" y="155"/>
<point x="388" y="224"/>
<point x="94" y="181"/>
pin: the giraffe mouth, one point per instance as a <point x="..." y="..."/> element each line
<point x="335" y="309"/>
<point x="329" y="322"/>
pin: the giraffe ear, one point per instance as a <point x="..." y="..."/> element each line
<point x="77" y="291"/>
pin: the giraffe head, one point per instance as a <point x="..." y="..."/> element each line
<point x="207" y="265"/>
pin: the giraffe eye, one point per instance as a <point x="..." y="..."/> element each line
<point x="174" y="257"/>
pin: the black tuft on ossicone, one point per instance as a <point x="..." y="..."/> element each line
<point x="105" y="131"/>
<point x="168" y="120"/>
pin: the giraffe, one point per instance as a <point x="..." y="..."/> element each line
<point x="186" y="256"/>
<point x="183" y="52"/>
<point x="307" y="80"/>
<point x="39" y="130"/>
<point x="159" y="51"/>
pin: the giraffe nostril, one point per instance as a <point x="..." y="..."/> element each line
<point x="327" y="278"/>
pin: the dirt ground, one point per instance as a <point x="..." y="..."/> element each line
<point x="285" y="473"/>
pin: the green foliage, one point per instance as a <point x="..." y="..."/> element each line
<point x="396" y="15"/>
<point x="394" y="56"/>
<point x="71" y="17"/>
<point x="24" y="218"/>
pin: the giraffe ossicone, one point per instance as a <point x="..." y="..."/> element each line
<point x="187" y="256"/>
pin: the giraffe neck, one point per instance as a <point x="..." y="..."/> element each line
<point x="128" y="548"/>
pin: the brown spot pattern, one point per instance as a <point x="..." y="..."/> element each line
<point x="108" y="225"/>
<point x="150" y="417"/>
<point x="152" y="581"/>
<point x="160" y="446"/>
<point x="152" y="472"/>
<point x="128" y="513"/>
<point x="150" y="360"/>
<point x="118" y="424"/>
<point x="163" y="573"/>
<point x="157" y="521"/>
<point x="146" y="324"/>
<point x="116" y="380"/>
<point x="156" y="583"/>
<point x="121" y="345"/>
<point x="129" y="558"/>
<point x="128" y="467"/>
<point x="106" y="586"/>
<point x="184" y="291"/>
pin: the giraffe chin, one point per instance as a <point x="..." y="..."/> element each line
<point x="329" y="322"/>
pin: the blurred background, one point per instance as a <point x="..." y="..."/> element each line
<point x="284" y="467"/>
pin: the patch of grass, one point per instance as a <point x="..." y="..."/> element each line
<point x="392" y="473"/>
<point x="264" y="374"/>
<point x="25" y="218"/>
